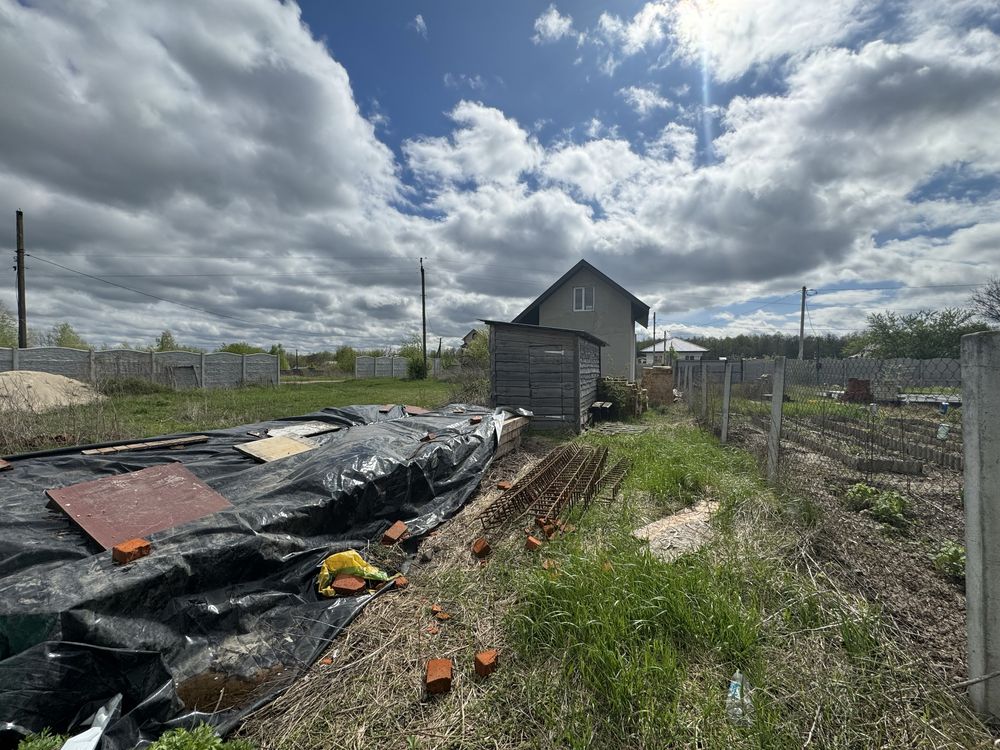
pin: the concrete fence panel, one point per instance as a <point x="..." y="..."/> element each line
<point x="173" y="369"/>
<point x="400" y="367"/>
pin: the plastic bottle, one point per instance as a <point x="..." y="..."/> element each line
<point x="738" y="706"/>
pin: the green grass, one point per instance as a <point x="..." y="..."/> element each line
<point x="130" y="415"/>
<point x="625" y="650"/>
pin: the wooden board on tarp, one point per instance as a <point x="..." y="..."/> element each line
<point x="304" y="429"/>
<point x="416" y="411"/>
<point x="112" y="510"/>
<point x="4" y="466"/>
<point x="148" y="445"/>
<point x="273" y="448"/>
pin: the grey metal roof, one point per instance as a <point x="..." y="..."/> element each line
<point x="583" y="334"/>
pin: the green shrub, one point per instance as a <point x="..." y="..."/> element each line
<point x="202" y="737"/>
<point x="949" y="559"/>
<point x="416" y="368"/>
<point x="44" y="740"/>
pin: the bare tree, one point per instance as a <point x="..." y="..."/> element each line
<point x="986" y="300"/>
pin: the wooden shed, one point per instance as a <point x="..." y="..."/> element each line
<point x="551" y="371"/>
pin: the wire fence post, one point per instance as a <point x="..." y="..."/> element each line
<point x="727" y="382"/>
<point x="704" y="393"/>
<point x="774" y="436"/>
<point x="981" y="432"/>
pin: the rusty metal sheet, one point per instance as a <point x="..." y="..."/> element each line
<point x="115" y="509"/>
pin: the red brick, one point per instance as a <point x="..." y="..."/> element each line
<point x="532" y="544"/>
<point x="435" y="608"/>
<point x="4" y="466"/>
<point x="549" y="530"/>
<point x="326" y="661"/>
<point x="541" y="522"/>
<point x="442" y="616"/>
<point x="347" y="585"/>
<point x="428" y="437"/>
<point x="438" y="675"/>
<point x="504" y="486"/>
<point x="480" y="547"/>
<point x="475" y="420"/>
<point x="486" y="662"/>
<point x="394" y="533"/>
<point x="401" y="582"/>
<point x="131" y="550"/>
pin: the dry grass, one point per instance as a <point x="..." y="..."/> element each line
<point x="612" y="648"/>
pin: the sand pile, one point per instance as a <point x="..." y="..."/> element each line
<point x="24" y="390"/>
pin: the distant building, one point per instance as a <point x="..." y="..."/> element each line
<point x="467" y="338"/>
<point x="585" y="299"/>
<point x="659" y="352"/>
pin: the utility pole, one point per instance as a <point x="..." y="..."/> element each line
<point x="802" y="326"/>
<point x="423" y="307"/>
<point x="22" y="305"/>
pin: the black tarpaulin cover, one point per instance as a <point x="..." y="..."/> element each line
<point x="232" y="594"/>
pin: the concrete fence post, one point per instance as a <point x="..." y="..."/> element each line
<point x="727" y="384"/>
<point x="277" y="369"/>
<point x="92" y="361"/>
<point x="202" y="368"/>
<point x="14" y="356"/>
<point x="152" y="365"/>
<point x="243" y="369"/>
<point x="981" y="449"/>
<point x="774" y="435"/>
<point x="704" y="392"/>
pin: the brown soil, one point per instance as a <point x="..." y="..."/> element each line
<point x="892" y="568"/>
<point x="215" y="691"/>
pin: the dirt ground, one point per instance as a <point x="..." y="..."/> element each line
<point x="33" y="392"/>
<point x="890" y="567"/>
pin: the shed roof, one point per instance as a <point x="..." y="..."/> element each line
<point x="640" y="310"/>
<point x="582" y="334"/>
<point x="679" y="345"/>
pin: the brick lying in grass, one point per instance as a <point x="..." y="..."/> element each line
<point x="486" y="662"/>
<point x="348" y="585"/>
<point x="401" y="582"/>
<point x="394" y="533"/>
<point x="504" y="486"/>
<point x="480" y="547"/>
<point x="438" y="675"/>
<point x="531" y="544"/>
<point x="131" y="550"/>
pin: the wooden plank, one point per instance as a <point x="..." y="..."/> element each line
<point x="148" y="445"/>
<point x="114" y="509"/>
<point x="273" y="448"/>
<point x="305" y="429"/>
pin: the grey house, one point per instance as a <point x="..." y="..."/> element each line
<point x="585" y="299"/>
<point x="551" y="371"/>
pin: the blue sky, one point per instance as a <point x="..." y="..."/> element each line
<point x="263" y="171"/>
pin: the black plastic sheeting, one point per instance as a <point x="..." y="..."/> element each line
<point x="232" y="594"/>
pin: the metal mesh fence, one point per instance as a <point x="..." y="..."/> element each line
<point x="890" y="428"/>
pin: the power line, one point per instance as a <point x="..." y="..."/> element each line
<point x="181" y="304"/>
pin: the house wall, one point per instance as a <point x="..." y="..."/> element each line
<point x="540" y="370"/>
<point x="610" y="320"/>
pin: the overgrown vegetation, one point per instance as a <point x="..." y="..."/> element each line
<point x="44" y="740"/>
<point x="643" y="649"/>
<point x="202" y="737"/>
<point x="885" y="506"/>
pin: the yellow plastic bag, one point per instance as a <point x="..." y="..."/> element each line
<point x="346" y="562"/>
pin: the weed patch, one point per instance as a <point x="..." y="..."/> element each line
<point x="885" y="506"/>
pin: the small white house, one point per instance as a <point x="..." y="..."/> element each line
<point x="659" y="352"/>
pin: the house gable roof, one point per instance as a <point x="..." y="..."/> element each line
<point x="640" y="310"/>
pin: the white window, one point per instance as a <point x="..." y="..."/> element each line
<point x="583" y="298"/>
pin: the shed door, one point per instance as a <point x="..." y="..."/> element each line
<point x="549" y="377"/>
